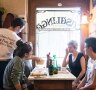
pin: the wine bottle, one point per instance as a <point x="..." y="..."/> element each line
<point x="48" y="59"/>
<point x="51" y="67"/>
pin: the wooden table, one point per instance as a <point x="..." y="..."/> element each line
<point x="61" y="81"/>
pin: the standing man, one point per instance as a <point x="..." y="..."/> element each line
<point x="89" y="81"/>
<point x="8" y="39"/>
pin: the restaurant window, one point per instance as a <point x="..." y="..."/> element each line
<point x="55" y="27"/>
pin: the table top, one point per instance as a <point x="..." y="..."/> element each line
<point x="39" y="73"/>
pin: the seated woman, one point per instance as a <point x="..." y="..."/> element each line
<point x="28" y="63"/>
<point x="14" y="72"/>
<point x="76" y="62"/>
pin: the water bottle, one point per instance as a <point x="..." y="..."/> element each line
<point x="55" y="64"/>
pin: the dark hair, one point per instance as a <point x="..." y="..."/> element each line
<point x="18" y="22"/>
<point x="22" y="48"/>
<point x="91" y="42"/>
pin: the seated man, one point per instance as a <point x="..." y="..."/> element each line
<point x="89" y="81"/>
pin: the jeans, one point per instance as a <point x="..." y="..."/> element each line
<point x="3" y="65"/>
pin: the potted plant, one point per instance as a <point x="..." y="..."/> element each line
<point x="2" y="10"/>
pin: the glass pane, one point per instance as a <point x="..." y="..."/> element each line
<point x="55" y="27"/>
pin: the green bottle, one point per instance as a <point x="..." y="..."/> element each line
<point x="55" y="64"/>
<point x="51" y="67"/>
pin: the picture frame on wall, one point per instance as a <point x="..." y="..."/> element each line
<point x="93" y="3"/>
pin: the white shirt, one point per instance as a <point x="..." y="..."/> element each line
<point x="90" y="68"/>
<point x="8" y="40"/>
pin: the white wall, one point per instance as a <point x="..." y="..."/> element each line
<point x="14" y="6"/>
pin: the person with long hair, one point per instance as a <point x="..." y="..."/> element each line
<point x="14" y="71"/>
